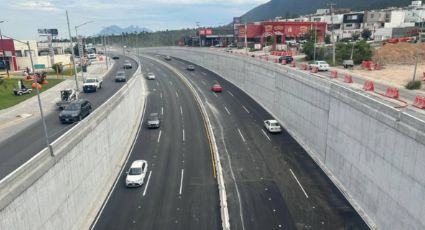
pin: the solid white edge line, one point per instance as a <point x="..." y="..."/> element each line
<point x="293" y="174"/>
<point x="265" y="134"/>
<point x="159" y="136"/>
<point x="245" y="108"/>
<point x="228" y="112"/>
<point x="181" y="182"/>
<point x="147" y="183"/>
<point x="231" y="94"/>
<point x="240" y="133"/>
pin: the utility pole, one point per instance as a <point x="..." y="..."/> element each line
<point x="72" y="52"/>
<point x="332" y="29"/>
<point x="246" y="39"/>
<point x="315" y="41"/>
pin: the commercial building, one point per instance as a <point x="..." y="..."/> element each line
<point x="275" y="34"/>
<point x="7" y="55"/>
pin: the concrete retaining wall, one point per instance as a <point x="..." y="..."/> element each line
<point x="374" y="153"/>
<point x="63" y="191"/>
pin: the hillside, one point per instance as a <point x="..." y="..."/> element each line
<point x="111" y="30"/>
<point x="293" y="8"/>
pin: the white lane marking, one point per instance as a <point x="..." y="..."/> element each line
<point x="265" y="134"/>
<point x="240" y="133"/>
<point x="245" y="109"/>
<point x="203" y="82"/>
<point x="299" y="183"/>
<point x="215" y="94"/>
<point x="177" y="94"/>
<point x="204" y="73"/>
<point x="162" y="110"/>
<point x="215" y="81"/>
<point x="157" y="83"/>
<point x="231" y="94"/>
<point x="181" y="110"/>
<point x="228" y="112"/>
<point x="170" y="83"/>
<point x="183" y="135"/>
<point x="160" y="95"/>
<point x="147" y="183"/>
<point x="159" y="136"/>
<point x="181" y="182"/>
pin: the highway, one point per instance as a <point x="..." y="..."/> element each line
<point x="271" y="181"/>
<point x="179" y="191"/>
<point x="20" y="147"/>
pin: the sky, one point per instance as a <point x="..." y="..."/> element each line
<point x="22" y="18"/>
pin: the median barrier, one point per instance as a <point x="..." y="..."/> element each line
<point x="314" y="69"/>
<point x="392" y="93"/>
<point x="303" y="66"/>
<point x="419" y="102"/>
<point x="276" y="60"/>
<point x="283" y="62"/>
<point x="348" y="78"/>
<point x="293" y="64"/>
<point x="369" y="86"/>
<point x="334" y="74"/>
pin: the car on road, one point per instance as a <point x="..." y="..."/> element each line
<point x="91" y="56"/>
<point x="167" y="58"/>
<point x="153" y="121"/>
<point x="190" y="67"/>
<point x="136" y="174"/>
<point x="272" y="126"/>
<point x="115" y="57"/>
<point x="120" y="76"/>
<point x="320" y="65"/>
<point x="348" y="64"/>
<point x="75" y="111"/>
<point x="217" y="88"/>
<point x="150" y="76"/>
<point x="127" y="64"/>
<point x="288" y="59"/>
<point x="92" y="84"/>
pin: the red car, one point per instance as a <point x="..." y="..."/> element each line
<point x="217" y="88"/>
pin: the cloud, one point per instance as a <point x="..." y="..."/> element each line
<point x="40" y="5"/>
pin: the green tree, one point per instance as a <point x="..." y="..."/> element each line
<point x="355" y="36"/>
<point x="366" y="34"/>
<point x="328" y="39"/>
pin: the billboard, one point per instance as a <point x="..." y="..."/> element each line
<point x="53" y="32"/>
<point x="204" y="32"/>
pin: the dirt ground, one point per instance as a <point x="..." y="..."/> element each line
<point x="396" y="75"/>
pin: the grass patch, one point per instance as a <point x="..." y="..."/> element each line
<point x="8" y="99"/>
<point x="413" y="85"/>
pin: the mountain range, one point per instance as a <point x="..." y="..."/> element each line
<point x="116" y="30"/>
<point x="294" y="8"/>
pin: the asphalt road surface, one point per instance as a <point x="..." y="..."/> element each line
<point x="20" y="147"/>
<point x="271" y="181"/>
<point x="179" y="191"/>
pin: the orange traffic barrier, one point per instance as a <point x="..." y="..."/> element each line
<point x="267" y="58"/>
<point x="276" y="60"/>
<point x="419" y="102"/>
<point x="369" y="86"/>
<point x="424" y="76"/>
<point x="348" y="78"/>
<point x="303" y="66"/>
<point x="392" y="93"/>
<point x="283" y="61"/>
<point x="294" y="64"/>
<point x="334" y="74"/>
<point x="314" y="69"/>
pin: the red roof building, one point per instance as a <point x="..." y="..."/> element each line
<point x="7" y="55"/>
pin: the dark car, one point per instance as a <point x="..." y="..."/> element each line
<point x="167" y="58"/>
<point x="288" y="59"/>
<point x="190" y="67"/>
<point x="120" y="76"/>
<point x="115" y="57"/>
<point x="75" y="111"/>
<point x="153" y="121"/>
<point x="127" y="65"/>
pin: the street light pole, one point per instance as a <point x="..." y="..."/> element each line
<point x="315" y="40"/>
<point x="72" y="52"/>
<point x="43" y="121"/>
<point x="78" y="43"/>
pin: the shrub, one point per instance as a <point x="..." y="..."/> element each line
<point x="413" y="85"/>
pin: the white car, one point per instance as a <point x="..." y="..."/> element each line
<point x="136" y="174"/>
<point x="272" y="126"/>
<point x="321" y="65"/>
<point x="151" y="76"/>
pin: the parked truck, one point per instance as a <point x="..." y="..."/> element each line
<point x="92" y="85"/>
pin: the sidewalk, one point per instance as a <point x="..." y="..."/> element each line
<point x="26" y="113"/>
